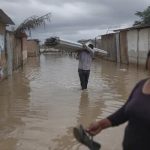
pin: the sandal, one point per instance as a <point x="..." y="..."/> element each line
<point x="82" y="137"/>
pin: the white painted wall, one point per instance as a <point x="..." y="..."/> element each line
<point x="143" y="45"/>
<point x="138" y="45"/>
<point x="117" y="47"/>
<point x="9" y="46"/>
<point x="1" y="49"/>
<point x="1" y="42"/>
<point x="132" y="45"/>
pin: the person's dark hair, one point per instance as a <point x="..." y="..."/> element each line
<point x="91" y="46"/>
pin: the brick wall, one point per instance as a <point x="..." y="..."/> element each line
<point x="32" y="48"/>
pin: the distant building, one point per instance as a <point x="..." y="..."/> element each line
<point x="134" y="44"/>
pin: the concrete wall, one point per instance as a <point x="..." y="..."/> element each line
<point x="98" y="43"/>
<point x="143" y="45"/>
<point x="138" y="45"/>
<point x="17" y="51"/>
<point x="3" y="63"/>
<point x="132" y="46"/>
<point x="17" y="54"/>
<point x="24" y="51"/>
<point x="117" y="36"/>
<point x="10" y="48"/>
<point x="108" y="43"/>
<point x="123" y="48"/>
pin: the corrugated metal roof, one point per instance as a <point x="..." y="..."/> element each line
<point x="108" y="34"/>
<point x="134" y="27"/>
<point x="5" y="19"/>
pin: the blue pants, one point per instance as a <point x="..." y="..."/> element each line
<point x="84" y="77"/>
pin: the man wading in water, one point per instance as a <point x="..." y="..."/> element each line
<point x="85" y="57"/>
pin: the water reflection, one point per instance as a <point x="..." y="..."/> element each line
<point x="41" y="104"/>
<point x="14" y="104"/>
<point x="89" y="109"/>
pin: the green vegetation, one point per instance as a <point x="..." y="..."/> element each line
<point x="144" y="17"/>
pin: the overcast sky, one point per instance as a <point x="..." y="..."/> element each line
<point x="75" y="19"/>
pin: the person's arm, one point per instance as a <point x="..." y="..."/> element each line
<point x="90" y="50"/>
<point x="120" y="117"/>
<point x="115" y="119"/>
<point x="98" y="126"/>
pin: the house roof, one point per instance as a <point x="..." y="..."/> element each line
<point x="4" y="18"/>
<point x="21" y="35"/>
<point x="134" y="27"/>
<point x="36" y="40"/>
<point x="108" y="34"/>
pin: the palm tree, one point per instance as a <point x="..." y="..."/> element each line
<point x="32" y="23"/>
<point x="28" y="24"/>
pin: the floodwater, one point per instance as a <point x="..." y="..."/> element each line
<point x="41" y="103"/>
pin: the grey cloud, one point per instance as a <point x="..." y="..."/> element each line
<point x="70" y="17"/>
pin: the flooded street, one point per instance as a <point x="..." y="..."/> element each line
<point x="41" y="103"/>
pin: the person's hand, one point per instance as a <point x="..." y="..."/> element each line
<point x="84" y="46"/>
<point x="98" y="126"/>
<point x="94" y="128"/>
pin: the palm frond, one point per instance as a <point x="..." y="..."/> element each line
<point x="32" y="23"/>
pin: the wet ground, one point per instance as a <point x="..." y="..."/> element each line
<point x="41" y="103"/>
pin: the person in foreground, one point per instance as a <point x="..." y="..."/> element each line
<point x="85" y="57"/>
<point x="136" y="111"/>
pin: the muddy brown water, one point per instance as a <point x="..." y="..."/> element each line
<point x="41" y="103"/>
